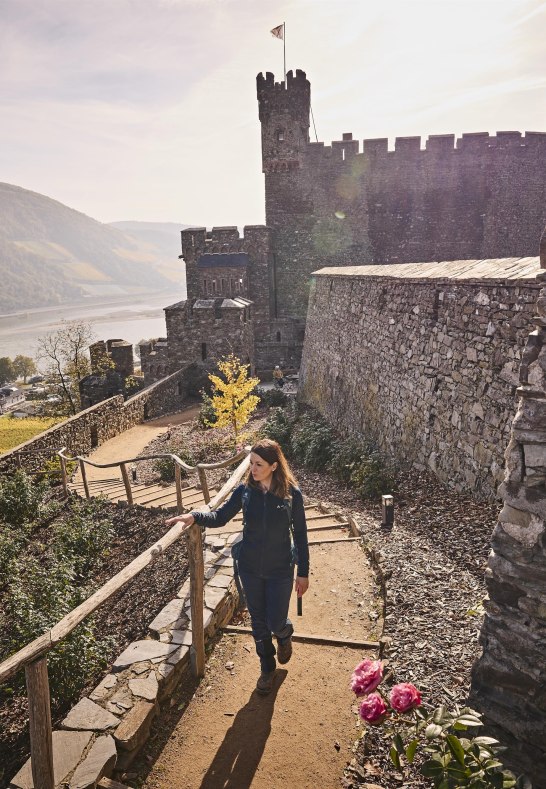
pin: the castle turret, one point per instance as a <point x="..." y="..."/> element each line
<point x="284" y="109"/>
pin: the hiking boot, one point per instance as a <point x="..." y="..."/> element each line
<point x="264" y="684"/>
<point x="284" y="650"/>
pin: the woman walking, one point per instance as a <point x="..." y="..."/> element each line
<point x="272" y="507"/>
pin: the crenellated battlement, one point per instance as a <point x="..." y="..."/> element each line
<point x="437" y="144"/>
<point x="225" y="239"/>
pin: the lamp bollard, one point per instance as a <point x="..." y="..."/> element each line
<point x="387" y="503"/>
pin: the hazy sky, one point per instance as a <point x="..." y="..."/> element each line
<point x="146" y="109"/>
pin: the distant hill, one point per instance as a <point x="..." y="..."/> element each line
<point x="161" y="236"/>
<point x="51" y="254"/>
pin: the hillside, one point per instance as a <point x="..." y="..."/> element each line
<point x="51" y="254"/>
<point x="161" y="236"/>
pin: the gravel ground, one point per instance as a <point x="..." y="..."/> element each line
<point x="433" y="561"/>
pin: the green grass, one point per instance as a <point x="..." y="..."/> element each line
<point x="16" y="431"/>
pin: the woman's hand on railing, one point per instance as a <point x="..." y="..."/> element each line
<point x="187" y="520"/>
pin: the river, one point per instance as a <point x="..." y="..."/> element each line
<point x="131" y="318"/>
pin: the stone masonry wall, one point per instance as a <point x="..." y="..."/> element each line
<point x="92" y="427"/>
<point x="427" y="366"/>
<point x="509" y="680"/>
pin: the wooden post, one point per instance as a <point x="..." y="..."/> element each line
<point x="64" y="476"/>
<point x="204" y="486"/>
<point x="127" y="483"/>
<point x="178" y="481"/>
<point x="83" y="472"/>
<point x="197" y="572"/>
<point x="39" y="712"/>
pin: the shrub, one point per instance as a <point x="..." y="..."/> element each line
<point x="373" y="476"/>
<point x="272" y="398"/>
<point x="20" y="498"/>
<point x="311" y="442"/>
<point x="165" y="466"/>
<point x="83" y="537"/>
<point x="40" y="593"/>
<point x="278" y="427"/>
<point x="346" y="454"/>
<point x="207" y="414"/>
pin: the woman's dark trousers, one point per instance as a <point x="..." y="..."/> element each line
<point x="267" y="601"/>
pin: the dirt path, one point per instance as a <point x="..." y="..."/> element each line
<point x="130" y="443"/>
<point x="302" y="734"/>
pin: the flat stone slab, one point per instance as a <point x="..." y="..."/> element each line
<point x="181" y="637"/>
<point x="68" y="748"/>
<point x="146" y="688"/>
<point x="88" y="716"/>
<point x="220" y="581"/>
<point x="179" y="655"/>
<point x="169" y="614"/>
<point x="100" y="760"/>
<point x="133" y="730"/>
<point x="143" y="650"/>
<point x="213" y="597"/>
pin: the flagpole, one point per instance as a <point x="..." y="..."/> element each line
<point x="284" y="48"/>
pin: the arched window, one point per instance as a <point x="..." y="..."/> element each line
<point x="278" y="336"/>
<point x="203" y="351"/>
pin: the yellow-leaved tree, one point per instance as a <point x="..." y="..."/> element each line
<point x="232" y="399"/>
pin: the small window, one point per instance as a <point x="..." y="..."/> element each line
<point x="214" y="286"/>
<point x="278" y="336"/>
<point x="203" y="351"/>
<point x="280" y="135"/>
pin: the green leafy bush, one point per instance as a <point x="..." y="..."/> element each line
<point x="41" y="592"/>
<point x="373" y="476"/>
<point x="83" y="537"/>
<point x="278" y="427"/>
<point x="42" y="581"/>
<point x="20" y="498"/>
<point x="273" y="398"/>
<point x="312" y="441"/>
<point x="207" y="414"/>
<point x="346" y="454"/>
<point x="165" y="466"/>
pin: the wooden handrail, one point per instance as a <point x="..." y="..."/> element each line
<point x="67" y="624"/>
<point x="175" y="458"/>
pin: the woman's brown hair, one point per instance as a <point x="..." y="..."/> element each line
<point x="283" y="479"/>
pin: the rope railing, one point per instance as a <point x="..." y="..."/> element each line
<point x="33" y="657"/>
<point x="179" y="464"/>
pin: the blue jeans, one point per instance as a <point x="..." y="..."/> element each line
<point x="267" y="601"/>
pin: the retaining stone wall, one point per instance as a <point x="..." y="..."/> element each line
<point x="427" y="367"/>
<point x="82" y="433"/>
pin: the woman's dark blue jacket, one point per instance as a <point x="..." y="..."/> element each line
<point x="266" y="548"/>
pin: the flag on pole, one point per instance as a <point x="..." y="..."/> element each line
<point x="278" y="32"/>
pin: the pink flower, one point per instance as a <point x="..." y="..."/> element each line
<point x="366" y="677"/>
<point x="373" y="709"/>
<point x="404" y="697"/>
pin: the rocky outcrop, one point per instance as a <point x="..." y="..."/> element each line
<point x="509" y="680"/>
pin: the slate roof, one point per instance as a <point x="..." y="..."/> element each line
<point x="223" y="260"/>
<point x="460" y="270"/>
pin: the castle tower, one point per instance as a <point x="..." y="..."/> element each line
<point x="284" y="114"/>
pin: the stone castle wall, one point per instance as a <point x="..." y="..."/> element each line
<point x="476" y="197"/>
<point x="422" y="358"/>
<point x="82" y="433"/>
